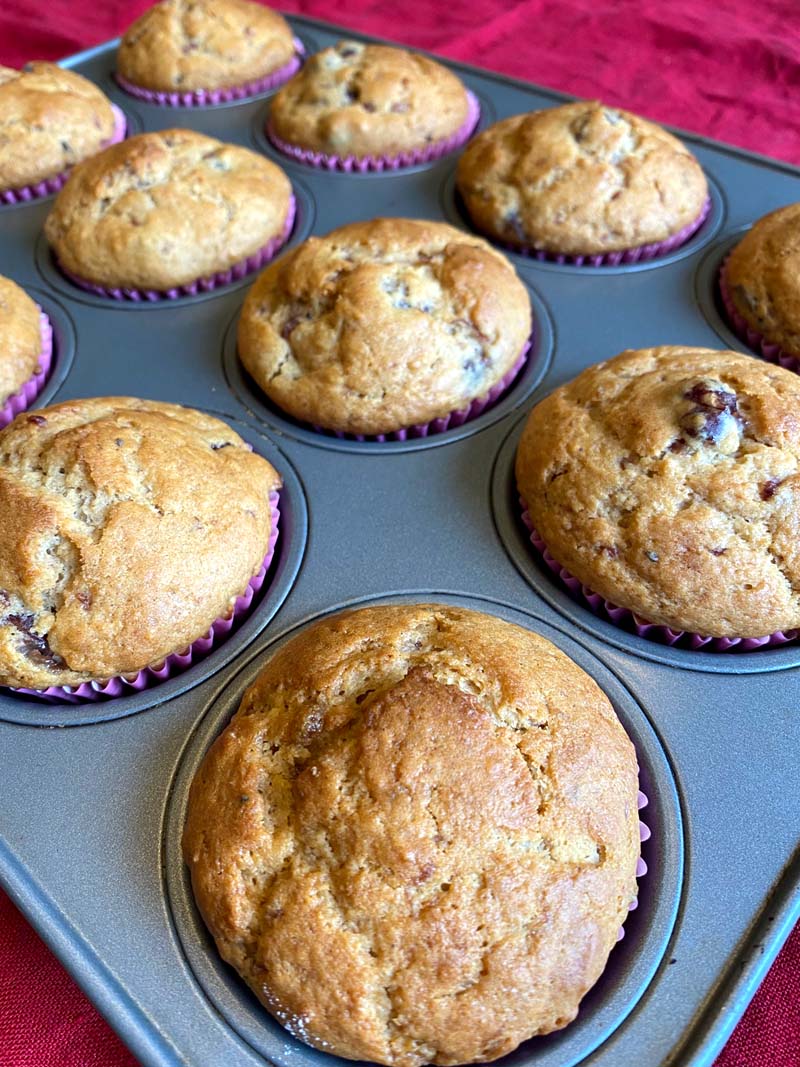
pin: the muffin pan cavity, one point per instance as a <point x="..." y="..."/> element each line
<point x="633" y="961"/>
<point x="516" y="540"/>
<point x="25" y="710"/>
<point x="526" y="382"/>
<point x="456" y="212"/>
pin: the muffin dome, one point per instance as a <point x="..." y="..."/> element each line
<point x="580" y="179"/>
<point x="666" y="480"/>
<point x="762" y="278"/>
<point x="164" y="209"/>
<point x="383" y="324"/>
<point x="418" y="837"/>
<point x="50" y="119"/>
<point x="126" y="528"/>
<point x="185" y="45"/>
<point x="362" y="100"/>
<point x="20" y="338"/>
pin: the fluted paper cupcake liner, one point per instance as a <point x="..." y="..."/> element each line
<point x="628" y="620"/>
<point x="28" y="391"/>
<point x="201" y="285"/>
<point x="52" y="185"/>
<point x="640" y="254"/>
<point x="204" y="97"/>
<point x="446" y="422"/>
<point x="751" y="337"/>
<point x="177" y="662"/>
<point x="363" y="164"/>
<point x="641" y="867"/>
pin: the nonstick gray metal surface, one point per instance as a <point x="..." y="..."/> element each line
<point x="92" y="796"/>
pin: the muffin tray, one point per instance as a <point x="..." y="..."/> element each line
<point x="92" y="796"/>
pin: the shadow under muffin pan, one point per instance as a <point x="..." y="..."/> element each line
<point x="633" y="961"/>
<point x="456" y="212"/>
<point x="525" y="383"/>
<point x="80" y="849"/>
<point x="52" y="273"/>
<point x="289" y="549"/>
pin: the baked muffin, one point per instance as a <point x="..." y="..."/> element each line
<point x="165" y="209"/>
<point x="358" y="101"/>
<point x="184" y="46"/>
<point x="20" y="339"/>
<point x="761" y="281"/>
<point x="126" y="528"/>
<point x="383" y="324"/>
<point x="666" y="480"/>
<point x="50" y="119"/>
<point x="580" y="179"/>
<point x="418" y="837"/>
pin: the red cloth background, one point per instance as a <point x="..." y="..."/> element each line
<point x="729" y="70"/>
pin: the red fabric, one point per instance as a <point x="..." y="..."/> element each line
<point x="731" y="71"/>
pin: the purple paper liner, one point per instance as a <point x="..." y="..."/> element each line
<point x="177" y="662"/>
<point x="751" y="337"/>
<point x="630" y="621"/>
<point x="364" y="164"/>
<point x="52" y="185"/>
<point x="199" y="285"/>
<point x="640" y="254"/>
<point x="446" y="422"/>
<point x="28" y="391"/>
<point x="204" y="97"/>
<point x="641" y="867"/>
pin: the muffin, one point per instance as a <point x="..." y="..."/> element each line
<point x="162" y="210"/>
<point x="581" y="180"/>
<point x="666" y="480"/>
<point x="761" y="285"/>
<point x="202" y="51"/>
<point x="370" y="103"/>
<point x="50" y="119"/>
<point x="383" y="324"/>
<point x="418" y="837"/>
<point x="25" y="348"/>
<point x="127" y="527"/>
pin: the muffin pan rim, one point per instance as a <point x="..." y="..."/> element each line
<point x="20" y="710"/>
<point x="530" y="378"/>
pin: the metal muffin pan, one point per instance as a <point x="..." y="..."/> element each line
<point x="92" y="796"/>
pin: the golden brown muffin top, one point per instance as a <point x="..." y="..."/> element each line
<point x="383" y="324"/>
<point x="126" y="528"/>
<point x="20" y="338"/>
<point x="50" y="119"/>
<point x="763" y="277"/>
<point x="418" y="837"/>
<point x="164" y="209"/>
<point x="667" y="480"/>
<point x="186" y="45"/>
<point x="580" y="179"/>
<point x="361" y="100"/>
